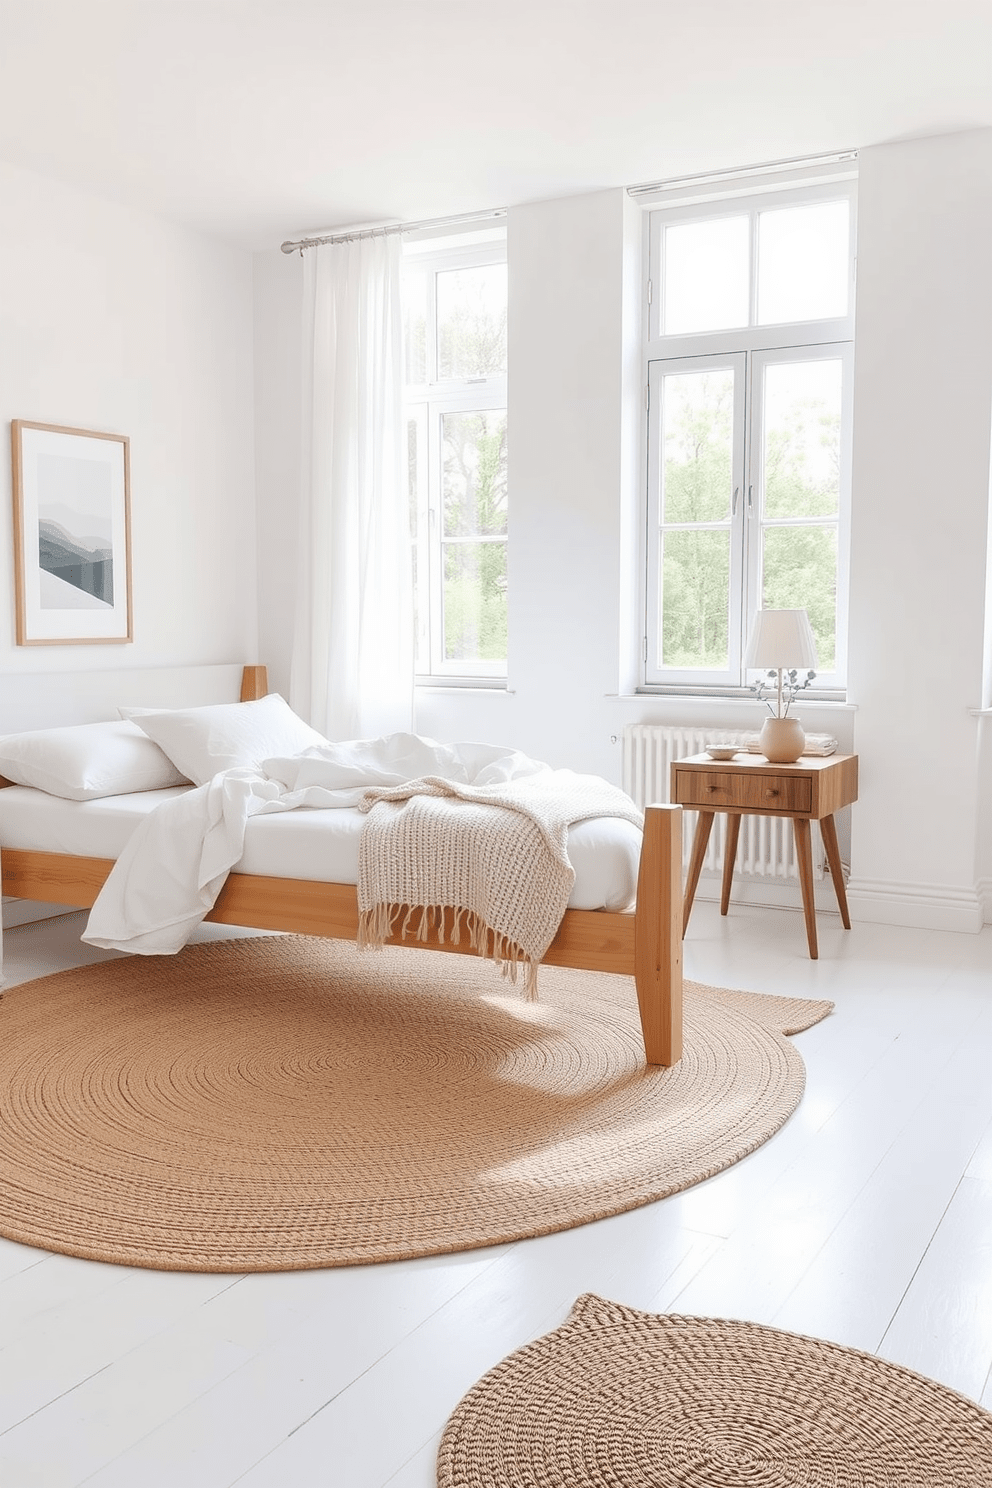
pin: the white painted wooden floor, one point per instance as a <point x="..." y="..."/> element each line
<point x="867" y="1219"/>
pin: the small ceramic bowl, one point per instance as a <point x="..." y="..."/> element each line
<point x="722" y="751"/>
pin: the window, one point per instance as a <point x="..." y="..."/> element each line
<point x="750" y="360"/>
<point x="455" y="346"/>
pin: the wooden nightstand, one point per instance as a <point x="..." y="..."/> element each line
<point x="749" y="785"/>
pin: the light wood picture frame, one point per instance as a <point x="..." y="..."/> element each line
<point x="72" y="535"/>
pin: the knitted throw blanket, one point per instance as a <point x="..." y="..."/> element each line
<point x="494" y="854"/>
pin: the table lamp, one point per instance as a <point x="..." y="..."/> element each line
<point x="781" y="641"/>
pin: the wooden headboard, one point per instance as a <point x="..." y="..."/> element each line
<point x="254" y="683"/>
<point x="35" y="700"/>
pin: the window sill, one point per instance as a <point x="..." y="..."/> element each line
<point x="457" y="684"/>
<point x="691" y="703"/>
<point x="734" y="697"/>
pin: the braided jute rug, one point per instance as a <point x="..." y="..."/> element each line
<point x="279" y="1103"/>
<point x="617" y="1398"/>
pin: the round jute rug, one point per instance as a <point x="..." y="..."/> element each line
<point x="616" y="1398"/>
<point x="282" y="1102"/>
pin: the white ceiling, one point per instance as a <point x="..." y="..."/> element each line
<point x="257" y="120"/>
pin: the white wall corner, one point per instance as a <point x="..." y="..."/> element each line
<point x="630" y="598"/>
<point x="984" y="889"/>
<point x="277" y="282"/>
<point x="917" y="905"/>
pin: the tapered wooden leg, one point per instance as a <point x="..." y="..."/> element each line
<point x="828" y="832"/>
<point x="702" y="836"/>
<point x="804" y="853"/>
<point x="729" y="858"/>
<point x="658" y="935"/>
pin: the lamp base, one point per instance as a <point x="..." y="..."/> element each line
<point x="782" y="740"/>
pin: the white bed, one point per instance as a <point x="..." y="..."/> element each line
<point x="315" y="845"/>
<point x="624" y="915"/>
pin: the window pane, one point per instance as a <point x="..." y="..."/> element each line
<point x="706" y="276"/>
<point x="473" y="489"/>
<point x="802" y="439"/>
<point x="695" y="586"/>
<point x="471" y="321"/>
<point x="414" y="455"/>
<point x="697" y="431"/>
<point x="475" y="601"/>
<point x="800" y="572"/>
<point x="415" y="326"/>
<point x="803" y="263"/>
<point x="413" y="474"/>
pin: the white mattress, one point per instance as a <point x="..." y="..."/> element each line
<point x="321" y="845"/>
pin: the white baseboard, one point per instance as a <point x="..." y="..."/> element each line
<point x="984" y="888"/>
<point x="774" y="893"/>
<point x="927" y="906"/>
<point x="27" y="911"/>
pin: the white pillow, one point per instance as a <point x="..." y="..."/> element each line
<point x="223" y="736"/>
<point x="87" y="761"/>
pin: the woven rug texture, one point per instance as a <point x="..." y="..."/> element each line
<point x="280" y="1103"/>
<point x="617" y="1398"/>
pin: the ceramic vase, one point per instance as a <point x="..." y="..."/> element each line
<point x="782" y="740"/>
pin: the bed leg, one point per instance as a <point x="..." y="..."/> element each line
<point x="658" y="935"/>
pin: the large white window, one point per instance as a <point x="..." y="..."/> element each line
<point x="455" y="344"/>
<point x="750" y="360"/>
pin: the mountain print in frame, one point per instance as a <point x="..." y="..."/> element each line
<point x="72" y="535"/>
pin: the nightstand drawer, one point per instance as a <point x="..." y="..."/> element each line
<point x="714" y="791"/>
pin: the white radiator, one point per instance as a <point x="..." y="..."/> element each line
<point x="766" y="845"/>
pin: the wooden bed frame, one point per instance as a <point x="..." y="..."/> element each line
<point x="645" y="943"/>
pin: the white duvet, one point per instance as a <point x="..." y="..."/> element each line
<point x="177" y="860"/>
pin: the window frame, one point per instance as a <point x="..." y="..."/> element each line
<point x="760" y="346"/>
<point x="425" y="405"/>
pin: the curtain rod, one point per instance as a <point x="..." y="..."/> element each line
<point x="351" y="235"/>
<point x="769" y="167"/>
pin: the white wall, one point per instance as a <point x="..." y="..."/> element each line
<point x="923" y="412"/>
<point x="984" y="868"/>
<point x="923" y="825"/>
<point x="117" y="321"/>
<point x="278" y="289"/>
<point x="570" y="478"/>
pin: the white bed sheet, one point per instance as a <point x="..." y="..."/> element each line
<point x="320" y="845"/>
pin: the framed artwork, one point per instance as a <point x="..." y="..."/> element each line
<point x="72" y="535"/>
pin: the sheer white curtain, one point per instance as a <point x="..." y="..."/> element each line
<point x="352" y="670"/>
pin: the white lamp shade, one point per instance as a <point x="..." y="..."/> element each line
<point x="781" y="639"/>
